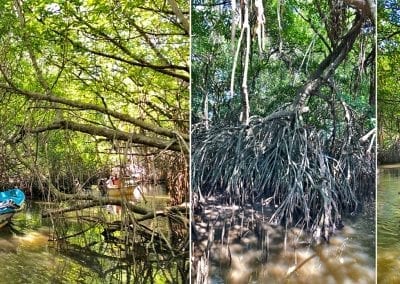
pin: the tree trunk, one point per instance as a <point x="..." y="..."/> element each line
<point x="245" y="93"/>
<point x="327" y="67"/>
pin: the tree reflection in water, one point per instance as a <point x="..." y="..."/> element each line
<point x="243" y="247"/>
<point x="94" y="246"/>
<point x="122" y="249"/>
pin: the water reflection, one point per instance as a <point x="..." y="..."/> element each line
<point x="388" y="224"/>
<point x="27" y="255"/>
<point x="245" y="250"/>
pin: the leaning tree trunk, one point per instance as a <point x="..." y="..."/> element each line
<point x="328" y="66"/>
<point x="324" y="71"/>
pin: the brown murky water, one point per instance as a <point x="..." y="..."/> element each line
<point x="388" y="224"/>
<point x="245" y="250"/>
<point x="27" y="255"/>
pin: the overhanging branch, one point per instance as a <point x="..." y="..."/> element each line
<point x="88" y="106"/>
<point x="111" y="134"/>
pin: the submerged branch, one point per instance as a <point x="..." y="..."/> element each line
<point x="94" y="201"/>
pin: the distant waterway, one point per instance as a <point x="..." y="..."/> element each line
<point x="388" y="224"/>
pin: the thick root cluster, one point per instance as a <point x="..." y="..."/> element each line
<point x="286" y="163"/>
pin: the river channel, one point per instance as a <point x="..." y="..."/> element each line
<point x="28" y="255"/>
<point x="388" y="224"/>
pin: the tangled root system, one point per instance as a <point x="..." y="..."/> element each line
<point x="288" y="164"/>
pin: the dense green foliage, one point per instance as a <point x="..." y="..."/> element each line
<point x="291" y="54"/>
<point x="81" y="80"/>
<point x="88" y="87"/>
<point x="388" y="78"/>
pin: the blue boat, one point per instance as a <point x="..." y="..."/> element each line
<point x="11" y="202"/>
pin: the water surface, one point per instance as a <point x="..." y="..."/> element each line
<point x="263" y="253"/>
<point x="28" y="254"/>
<point x="388" y="224"/>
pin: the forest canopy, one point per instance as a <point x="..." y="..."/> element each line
<point x="298" y="36"/>
<point x="79" y="79"/>
<point x="388" y="78"/>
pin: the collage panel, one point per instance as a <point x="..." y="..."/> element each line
<point x="388" y="175"/>
<point x="203" y="141"/>
<point x="94" y="141"/>
<point x="283" y="131"/>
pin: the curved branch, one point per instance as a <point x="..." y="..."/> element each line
<point x="367" y="8"/>
<point x="111" y="134"/>
<point x="88" y="106"/>
<point x="140" y="63"/>
<point x="137" y="61"/>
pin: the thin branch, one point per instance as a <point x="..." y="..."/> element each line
<point x="316" y="31"/>
<point x="178" y="13"/>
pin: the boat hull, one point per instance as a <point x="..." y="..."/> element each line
<point x="11" y="202"/>
<point x="119" y="191"/>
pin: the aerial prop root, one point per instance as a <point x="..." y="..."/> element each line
<point x="283" y="160"/>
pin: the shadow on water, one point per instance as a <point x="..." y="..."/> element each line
<point x="28" y="254"/>
<point x="388" y="224"/>
<point x="244" y="248"/>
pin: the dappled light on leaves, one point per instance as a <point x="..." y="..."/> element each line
<point x="97" y="91"/>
